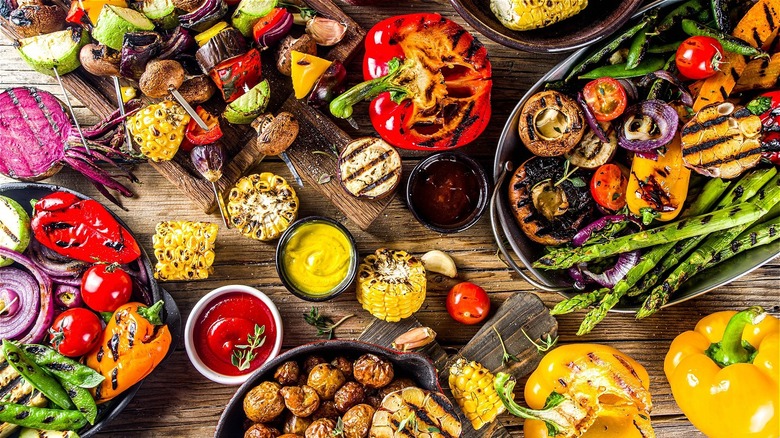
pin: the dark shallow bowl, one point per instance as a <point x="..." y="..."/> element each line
<point x="413" y="365"/>
<point x="511" y="152"/>
<point x="22" y="193"/>
<point x="599" y="19"/>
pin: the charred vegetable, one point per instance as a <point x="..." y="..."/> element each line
<point x="551" y="124"/>
<point x="262" y="206"/>
<point x="391" y="284"/>
<point x="32" y="20"/>
<point x="58" y="50"/>
<point x="138" y="49"/>
<point x="415" y="412"/>
<point x="369" y="168"/>
<point x="160" y="76"/>
<point x="99" y="60"/>
<point x="659" y="183"/>
<point x="184" y="250"/>
<point x="158" y="129"/>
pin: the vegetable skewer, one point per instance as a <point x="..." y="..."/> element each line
<point x="70" y="108"/>
<point x="121" y="105"/>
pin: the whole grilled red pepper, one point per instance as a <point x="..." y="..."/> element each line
<point x="767" y="107"/>
<point x="82" y="229"/>
<point x="237" y="75"/>
<point x="430" y="81"/>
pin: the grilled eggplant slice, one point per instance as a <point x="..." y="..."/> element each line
<point x="369" y="168"/>
<point x="722" y="141"/>
<point x="14" y="389"/>
<point x="551" y="124"/>
<point x="262" y="206"/>
<point x="591" y="152"/>
<point x="415" y="413"/>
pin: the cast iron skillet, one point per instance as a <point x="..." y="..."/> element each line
<point x="22" y="193"/>
<point x="511" y="152"/>
<point x="413" y="365"/>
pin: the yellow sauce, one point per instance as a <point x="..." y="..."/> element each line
<point x="317" y="258"/>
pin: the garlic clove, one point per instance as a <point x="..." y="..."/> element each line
<point x="440" y="263"/>
<point x="414" y="338"/>
<point x="326" y="32"/>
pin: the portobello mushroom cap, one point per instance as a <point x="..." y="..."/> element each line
<point x="32" y="20"/>
<point x="160" y="74"/>
<point x="551" y="124"/>
<point x="547" y="213"/>
<point x="197" y="89"/>
<point x="99" y="60"/>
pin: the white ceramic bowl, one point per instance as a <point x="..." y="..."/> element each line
<point x="203" y="305"/>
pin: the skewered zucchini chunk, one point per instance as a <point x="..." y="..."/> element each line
<point x="415" y="413"/>
<point x="472" y="385"/>
<point x="391" y="284"/>
<point x="158" y="129"/>
<point x="184" y="250"/>
<point x="262" y="206"/>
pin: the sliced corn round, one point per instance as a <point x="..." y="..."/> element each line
<point x="262" y="206"/>
<point x="391" y="284"/>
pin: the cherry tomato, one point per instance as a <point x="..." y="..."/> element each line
<point x="608" y="187"/>
<point x="468" y="303"/>
<point x="106" y="287"/>
<point x="699" y="57"/>
<point x="76" y="332"/>
<point x="606" y="98"/>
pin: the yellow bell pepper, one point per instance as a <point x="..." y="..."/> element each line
<point x="725" y="374"/>
<point x="306" y="70"/>
<point x="583" y="390"/>
<point x="660" y="184"/>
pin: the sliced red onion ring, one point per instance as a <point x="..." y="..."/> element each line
<point x="611" y="276"/>
<point x="685" y="95"/>
<point x="67" y="297"/>
<point x="585" y="234"/>
<point x="45" y="308"/>
<point x="20" y="302"/>
<point x="631" y="92"/>
<point x="580" y="273"/>
<point x="647" y="126"/>
<point x="55" y="265"/>
<point x="275" y="34"/>
<point x="591" y="119"/>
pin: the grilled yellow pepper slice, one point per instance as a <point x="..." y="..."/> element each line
<point x="661" y="184"/>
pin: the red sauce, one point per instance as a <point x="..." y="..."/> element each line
<point x="446" y="192"/>
<point x="227" y="324"/>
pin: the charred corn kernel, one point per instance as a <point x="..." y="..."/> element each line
<point x="184" y="250"/>
<point x="472" y="385"/>
<point x="391" y="284"/>
<point x="533" y="14"/>
<point x="158" y="129"/>
<point x="262" y="206"/>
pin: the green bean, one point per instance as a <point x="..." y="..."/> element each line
<point x="664" y="48"/>
<point x="639" y="43"/>
<point x="36" y="376"/>
<point x="621" y="71"/>
<point x="63" y="368"/>
<point x="41" y="418"/>
<point x="686" y="9"/>
<point x="720" y="11"/>
<point x="729" y="43"/>
<point x="83" y="400"/>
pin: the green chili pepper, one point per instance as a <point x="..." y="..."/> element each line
<point x="63" y="368"/>
<point x="41" y="418"/>
<point x="36" y="376"/>
<point x="660" y="49"/>
<point x="729" y="43"/>
<point x="621" y="71"/>
<point x="83" y="400"/>
<point x="638" y="46"/>
<point x="685" y="10"/>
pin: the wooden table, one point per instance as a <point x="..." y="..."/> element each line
<point x="177" y="401"/>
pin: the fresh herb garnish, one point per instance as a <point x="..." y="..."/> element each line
<point x="322" y="323"/>
<point x="339" y="430"/>
<point x="410" y="420"/>
<point x="543" y="345"/>
<point x="507" y="357"/>
<point x="243" y="355"/>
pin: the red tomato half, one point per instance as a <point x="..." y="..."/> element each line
<point x="608" y="187"/>
<point x="75" y="332"/>
<point x="468" y="303"/>
<point x="106" y="287"/>
<point x="606" y="98"/>
<point x="699" y="57"/>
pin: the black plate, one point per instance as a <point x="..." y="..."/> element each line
<point x="412" y="365"/>
<point x="23" y="193"/>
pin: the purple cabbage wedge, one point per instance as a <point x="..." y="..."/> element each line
<point x="37" y="139"/>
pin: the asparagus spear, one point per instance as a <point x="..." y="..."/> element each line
<point x="757" y="235"/>
<point x="765" y="200"/>
<point x="708" y="196"/>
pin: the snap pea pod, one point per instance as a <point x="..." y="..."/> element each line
<point x="41" y="418"/>
<point x="639" y="43"/>
<point x="83" y="400"/>
<point x="685" y="10"/>
<point x="602" y="53"/>
<point x="64" y="368"/>
<point x="729" y="43"/>
<point x="659" y="49"/>
<point x="34" y="375"/>
<point x="621" y="71"/>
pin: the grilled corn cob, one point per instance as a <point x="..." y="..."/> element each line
<point x="415" y="413"/>
<point x="158" y="129"/>
<point x="262" y="206"/>
<point x="184" y="250"/>
<point x="472" y="385"/>
<point x="391" y="284"/>
<point x="533" y="14"/>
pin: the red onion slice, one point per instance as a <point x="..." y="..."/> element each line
<point x="42" y="323"/>
<point x="586" y="233"/>
<point x="611" y="276"/>
<point x="591" y="119"/>
<point x="647" y="126"/>
<point x="19" y="297"/>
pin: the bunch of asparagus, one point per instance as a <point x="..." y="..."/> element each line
<point x="713" y="229"/>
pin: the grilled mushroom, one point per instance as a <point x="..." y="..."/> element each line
<point x="591" y="152"/>
<point x="551" y="124"/>
<point x="197" y="89"/>
<point x="160" y="75"/>
<point x="549" y="207"/>
<point x="32" y="20"/>
<point x="99" y="60"/>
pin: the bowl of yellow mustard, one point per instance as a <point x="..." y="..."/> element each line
<point x="316" y="258"/>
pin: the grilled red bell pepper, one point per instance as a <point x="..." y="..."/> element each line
<point x="767" y="107"/>
<point x="237" y="75"/>
<point x="199" y="136"/>
<point x="430" y="80"/>
<point x="82" y="229"/>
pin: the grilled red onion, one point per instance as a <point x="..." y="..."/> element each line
<point x="178" y="42"/>
<point x="631" y="92"/>
<point x="591" y="119"/>
<point x="67" y="297"/>
<point x="685" y="95"/>
<point x="647" y="126"/>
<point x="34" y="299"/>
<point x="586" y="233"/>
<point x="20" y="302"/>
<point x="580" y="272"/>
<point x="276" y="33"/>
<point x="53" y="264"/>
<point x="208" y="14"/>
<point x="611" y="276"/>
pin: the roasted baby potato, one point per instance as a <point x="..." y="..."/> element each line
<point x="311" y="362"/>
<point x="350" y="394"/>
<point x="326" y="380"/>
<point x="288" y="373"/>
<point x="295" y="425"/>
<point x="373" y="371"/>
<point x="263" y="403"/>
<point x="344" y="365"/>
<point x="259" y="430"/>
<point x="302" y="401"/>
<point x="322" y="428"/>
<point x="327" y="409"/>
<point x="357" y="421"/>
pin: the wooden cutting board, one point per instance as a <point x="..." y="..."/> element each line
<point x="317" y="131"/>
<point x="520" y="312"/>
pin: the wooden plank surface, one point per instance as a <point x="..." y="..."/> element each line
<point x="176" y="401"/>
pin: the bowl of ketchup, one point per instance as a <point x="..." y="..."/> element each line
<point x="231" y="332"/>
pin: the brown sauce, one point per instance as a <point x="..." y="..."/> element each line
<point x="446" y="193"/>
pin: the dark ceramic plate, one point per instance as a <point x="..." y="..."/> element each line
<point x="412" y="365"/>
<point x="599" y="19"/>
<point x="511" y="152"/>
<point x="23" y="193"/>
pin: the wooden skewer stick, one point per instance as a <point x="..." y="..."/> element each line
<point x="121" y="103"/>
<point x="70" y="108"/>
<point x="179" y="98"/>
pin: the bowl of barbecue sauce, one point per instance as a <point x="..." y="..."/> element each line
<point x="447" y="192"/>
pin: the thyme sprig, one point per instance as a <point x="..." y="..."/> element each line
<point x="507" y="356"/>
<point x="322" y="323"/>
<point x="243" y="355"/>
